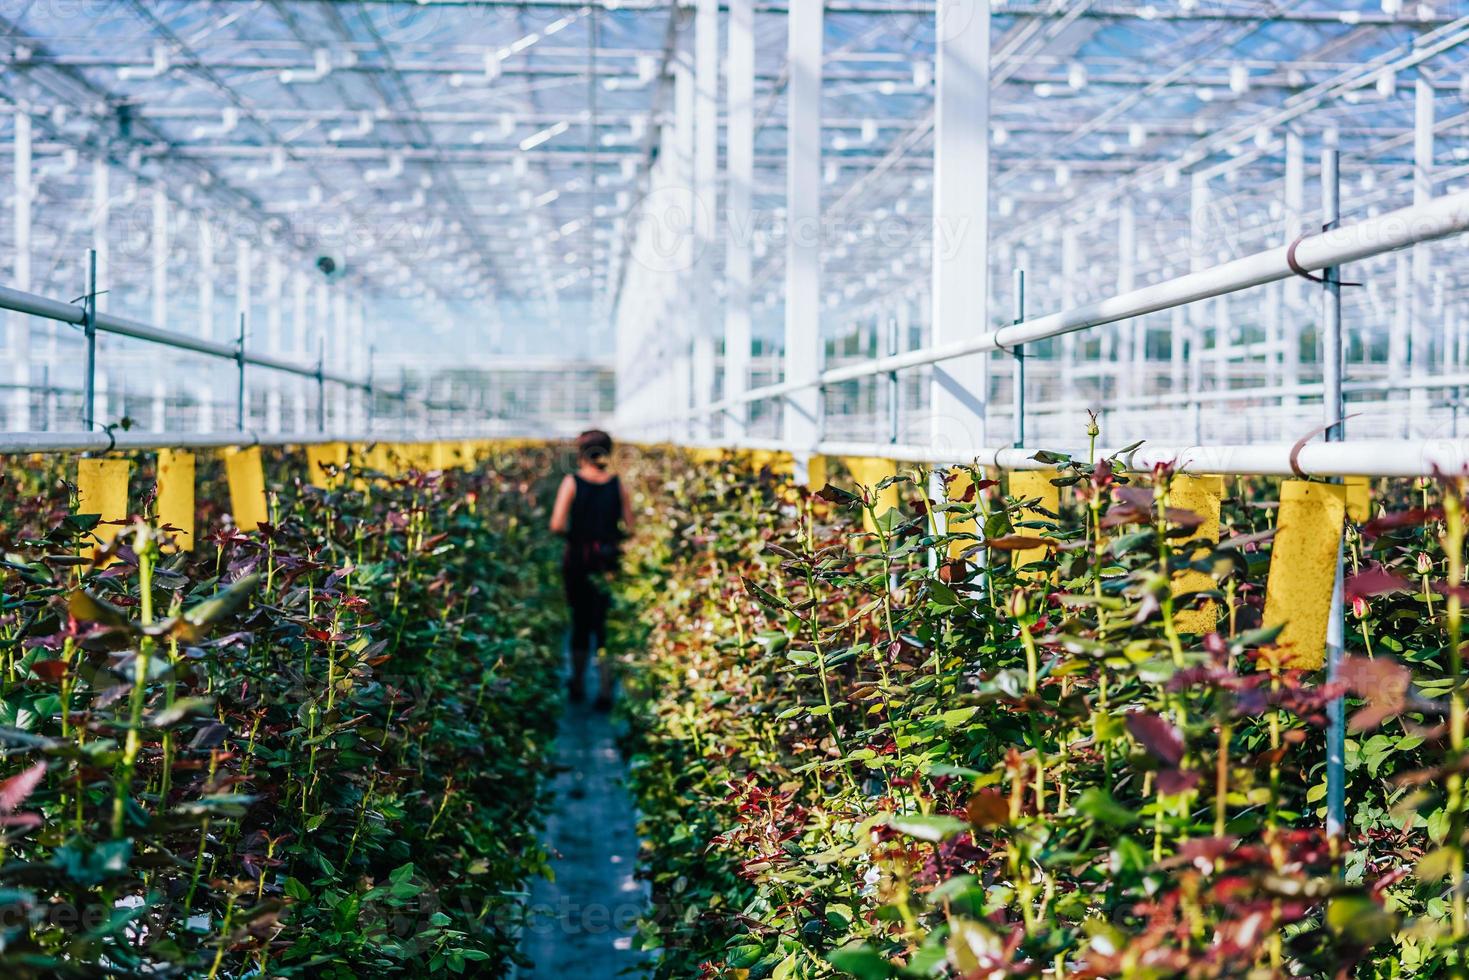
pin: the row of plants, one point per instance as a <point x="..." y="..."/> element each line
<point x="895" y="751"/>
<point x="311" y="750"/>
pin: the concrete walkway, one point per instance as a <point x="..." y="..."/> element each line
<point x="582" y="925"/>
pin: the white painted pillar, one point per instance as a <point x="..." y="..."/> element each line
<point x="1197" y="259"/>
<point x="740" y="166"/>
<point x="160" y="258"/>
<point x="802" y="410"/>
<point x="706" y="203"/>
<point x="1070" y="269"/>
<point x="1131" y="375"/>
<point x="961" y="185"/>
<point x="685" y="228"/>
<point x="298" y="345"/>
<point x="204" y="392"/>
<point x="321" y="340"/>
<point x="206" y="279"/>
<point x="1295" y="210"/>
<point x="159" y="298"/>
<point x="1420" y="340"/>
<point x="18" y="345"/>
<point x="244" y="268"/>
<point x="274" y="337"/>
<point x="101" y="216"/>
<point x="159" y="405"/>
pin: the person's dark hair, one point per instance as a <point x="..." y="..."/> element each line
<point x="594" y="446"/>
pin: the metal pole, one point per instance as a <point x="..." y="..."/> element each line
<point x="1019" y="352"/>
<point x="240" y="364"/>
<point x="1331" y="351"/>
<point x="89" y="330"/>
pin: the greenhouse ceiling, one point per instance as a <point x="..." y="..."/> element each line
<point x="481" y="159"/>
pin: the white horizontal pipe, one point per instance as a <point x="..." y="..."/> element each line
<point x="1441" y="217"/>
<point x="19" y="443"/>
<point x="1363" y="457"/>
<point x="30" y="303"/>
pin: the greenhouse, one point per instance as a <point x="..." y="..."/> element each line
<point x="740" y="489"/>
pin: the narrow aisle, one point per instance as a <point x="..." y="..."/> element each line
<point x="582" y="924"/>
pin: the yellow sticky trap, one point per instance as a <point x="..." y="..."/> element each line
<point x="318" y="458"/>
<point x="466" y="455"/>
<point x="869" y="471"/>
<point x="1359" y="499"/>
<point x="381" y="459"/>
<point x="816" y="476"/>
<point x="102" y="488"/>
<point x="780" y="464"/>
<point x="246" y="474"/>
<point x="1303" y="568"/>
<point x="176" y="496"/>
<point x="1200" y="494"/>
<point x="1030" y="485"/>
<point x="701" y="454"/>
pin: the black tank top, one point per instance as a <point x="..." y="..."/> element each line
<point x="595" y="511"/>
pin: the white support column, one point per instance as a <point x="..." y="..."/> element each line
<point x="203" y="391"/>
<point x="1070" y="269"/>
<point x="802" y="409"/>
<point x="18" y="346"/>
<point x="244" y="307"/>
<point x="101" y="216"/>
<point x="321" y="339"/>
<point x="1295" y="209"/>
<point x="206" y="279"/>
<point x="160" y="258"/>
<point x="159" y="298"/>
<point x="1420" y="340"/>
<point x="1198" y="203"/>
<point x="706" y="203"/>
<point x="1130" y="376"/>
<point x="1402" y="320"/>
<point x="274" y="336"/>
<point x="685" y="228"/>
<point x="244" y="267"/>
<point x="961" y="186"/>
<point x="299" y="347"/>
<point x="341" y="357"/>
<point x="740" y="165"/>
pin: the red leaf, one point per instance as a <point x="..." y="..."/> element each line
<point x="17" y="789"/>
<point x="50" y="670"/>
<point x="1173" y="781"/>
<point x="1017" y="542"/>
<point x="1375" y="580"/>
<point x="1382" y="682"/>
<point x="988" y="808"/>
<point x="1403" y="518"/>
<point x="1157" y="736"/>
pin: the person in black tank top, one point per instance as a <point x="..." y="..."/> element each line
<point x="593" y="512"/>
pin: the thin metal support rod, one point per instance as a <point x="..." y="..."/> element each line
<point x="892" y="382"/>
<point x="240" y="374"/>
<point x="1332" y="409"/>
<point x="1019" y="353"/>
<point x="89" y="330"/>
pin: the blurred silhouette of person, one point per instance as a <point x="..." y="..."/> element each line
<point x="594" y="513"/>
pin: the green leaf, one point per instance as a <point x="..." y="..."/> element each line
<point x="861" y="961"/>
<point x="929" y="827"/>
<point x="1097" y="803"/>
